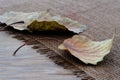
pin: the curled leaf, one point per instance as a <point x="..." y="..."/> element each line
<point x="12" y="17"/>
<point x="87" y="50"/>
<point x="41" y="21"/>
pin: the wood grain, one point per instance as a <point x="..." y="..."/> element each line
<point x="27" y="65"/>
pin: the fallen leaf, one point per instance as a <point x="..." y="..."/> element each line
<point x="12" y="17"/>
<point x="86" y="50"/>
<point x="41" y="21"/>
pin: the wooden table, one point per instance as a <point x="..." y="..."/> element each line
<point x="100" y="15"/>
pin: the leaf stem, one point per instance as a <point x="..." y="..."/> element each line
<point x="18" y="49"/>
<point x="19" y="22"/>
<point x="28" y="41"/>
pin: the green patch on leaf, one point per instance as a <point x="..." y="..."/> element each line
<point x="46" y="26"/>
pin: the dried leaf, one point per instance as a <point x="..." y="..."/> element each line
<point x="41" y="21"/>
<point x="12" y="17"/>
<point x="87" y="50"/>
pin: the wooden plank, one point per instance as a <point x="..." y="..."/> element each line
<point x="28" y="64"/>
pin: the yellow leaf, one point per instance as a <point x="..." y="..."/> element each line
<point x="86" y="50"/>
<point x="41" y="21"/>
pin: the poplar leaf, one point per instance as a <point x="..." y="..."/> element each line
<point x="41" y="21"/>
<point x="87" y="50"/>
